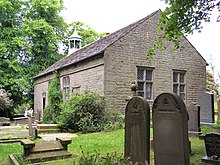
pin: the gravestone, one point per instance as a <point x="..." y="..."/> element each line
<point x="30" y="122"/>
<point x="171" y="143"/>
<point x="137" y="129"/>
<point x="194" y="119"/>
<point x="206" y="102"/>
<point x="212" y="145"/>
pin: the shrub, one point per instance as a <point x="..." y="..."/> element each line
<point x="114" y="120"/>
<point x="83" y="113"/>
<point x="53" y="109"/>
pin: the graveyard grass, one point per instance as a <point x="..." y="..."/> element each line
<point x="101" y="143"/>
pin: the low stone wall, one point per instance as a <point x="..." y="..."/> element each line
<point x="4" y="121"/>
<point x="21" y="120"/>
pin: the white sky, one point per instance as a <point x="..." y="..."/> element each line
<point x="112" y="15"/>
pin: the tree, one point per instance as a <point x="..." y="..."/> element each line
<point x="211" y="85"/>
<point x="44" y="29"/>
<point x="11" y="44"/>
<point x="30" y="34"/>
<point x="85" y="31"/>
<point x="183" y="17"/>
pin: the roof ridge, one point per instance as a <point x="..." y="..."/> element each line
<point x="95" y="47"/>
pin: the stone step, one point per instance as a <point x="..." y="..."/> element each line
<point x="47" y="126"/>
<point x="47" y="146"/>
<point x="48" y="130"/>
<point x="47" y="156"/>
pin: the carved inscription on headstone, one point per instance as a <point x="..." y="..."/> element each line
<point x="137" y="130"/>
<point x="171" y="143"/>
<point x="212" y="145"/>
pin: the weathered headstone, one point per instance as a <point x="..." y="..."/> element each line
<point x="194" y="119"/>
<point x="30" y="121"/>
<point x="212" y="145"/>
<point x="206" y="102"/>
<point x="137" y="129"/>
<point x="171" y="143"/>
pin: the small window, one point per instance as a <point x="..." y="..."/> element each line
<point x="72" y="44"/>
<point x="66" y="88"/>
<point x="145" y="82"/>
<point x="179" y="86"/>
<point x="77" y="44"/>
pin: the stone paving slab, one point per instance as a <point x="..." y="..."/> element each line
<point x="21" y="133"/>
<point x="49" y="137"/>
<point x="9" y="127"/>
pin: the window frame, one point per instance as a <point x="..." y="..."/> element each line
<point x="66" y="88"/>
<point x="145" y="81"/>
<point x="179" y="83"/>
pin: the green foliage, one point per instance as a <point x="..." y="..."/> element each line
<point x="30" y="34"/>
<point x="43" y="29"/>
<point x="114" y="120"/>
<point x="183" y="17"/>
<point x="188" y="15"/>
<point x="21" y="108"/>
<point x="85" y="31"/>
<point x="21" y="160"/>
<point x="84" y="113"/>
<point x="211" y="85"/>
<point x="53" y="109"/>
<point x="109" y="159"/>
<point x="11" y="42"/>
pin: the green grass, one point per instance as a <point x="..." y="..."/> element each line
<point x="7" y="149"/>
<point x="198" y="151"/>
<point x="102" y="143"/>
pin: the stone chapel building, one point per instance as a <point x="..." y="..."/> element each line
<point x="110" y="64"/>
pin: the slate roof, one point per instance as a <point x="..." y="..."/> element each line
<point x="94" y="48"/>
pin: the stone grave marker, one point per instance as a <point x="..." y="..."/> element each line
<point x="171" y="143"/>
<point x="137" y="129"/>
<point x="206" y="102"/>
<point x="212" y="145"/>
<point x="194" y="119"/>
<point x="30" y="129"/>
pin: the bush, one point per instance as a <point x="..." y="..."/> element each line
<point x="114" y="120"/>
<point x="84" y="113"/>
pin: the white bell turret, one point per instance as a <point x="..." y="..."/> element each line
<point x="75" y="42"/>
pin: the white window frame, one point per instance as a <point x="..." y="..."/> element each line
<point x="66" y="88"/>
<point x="180" y="83"/>
<point x="142" y="89"/>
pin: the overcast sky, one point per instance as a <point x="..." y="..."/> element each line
<point x="112" y="15"/>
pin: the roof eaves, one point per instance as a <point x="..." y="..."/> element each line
<point x="107" y="40"/>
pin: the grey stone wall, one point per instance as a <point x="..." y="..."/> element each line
<point x="111" y="73"/>
<point x="87" y="75"/>
<point x="123" y="57"/>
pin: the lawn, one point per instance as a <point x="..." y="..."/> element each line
<point x="101" y="143"/>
